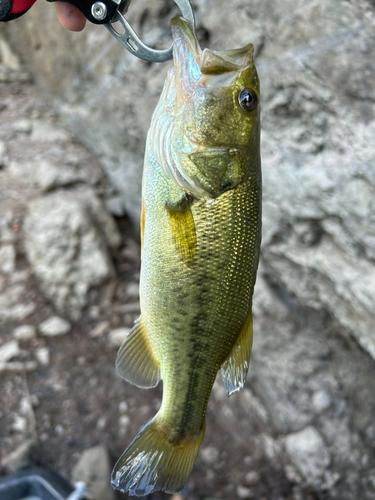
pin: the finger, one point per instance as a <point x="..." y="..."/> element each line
<point x="70" y="17"/>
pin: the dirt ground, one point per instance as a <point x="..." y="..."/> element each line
<point x="76" y="400"/>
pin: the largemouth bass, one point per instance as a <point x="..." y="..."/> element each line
<point x="200" y="231"/>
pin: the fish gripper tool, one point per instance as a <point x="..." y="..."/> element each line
<point x="110" y="13"/>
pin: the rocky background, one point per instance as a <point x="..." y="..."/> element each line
<point x="74" y="112"/>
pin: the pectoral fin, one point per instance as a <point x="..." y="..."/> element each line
<point x="183" y="229"/>
<point x="235" y="367"/>
<point x="135" y="361"/>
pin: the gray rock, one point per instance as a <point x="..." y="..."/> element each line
<point x="100" y="329"/>
<point x="9" y="350"/>
<point x="271" y="447"/>
<point x="11" y="306"/>
<point x="7" y="259"/>
<point x="101" y="423"/>
<point x="54" y="326"/>
<point x="209" y="455"/>
<point x="59" y="430"/>
<point x="18" y="367"/>
<point x="67" y="235"/>
<point x="25" y="407"/>
<point x="123" y="407"/>
<point x="118" y="335"/>
<point x="24" y="332"/>
<point x="307" y="451"/>
<point x="20" y="424"/>
<point x="252" y="478"/>
<point x="17" y="312"/>
<point x="43" y="131"/>
<point x="102" y="218"/>
<point x="321" y="400"/>
<point x="243" y="492"/>
<point x="94" y="469"/>
<point x="42" y="356"/>
<point x="44" y="174"/>
<point x="23" y="125"/>
<point x="123" y="424"/>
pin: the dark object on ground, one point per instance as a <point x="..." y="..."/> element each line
<point x="35" y="484"/>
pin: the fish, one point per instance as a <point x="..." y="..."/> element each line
<point x="200" y="242"/>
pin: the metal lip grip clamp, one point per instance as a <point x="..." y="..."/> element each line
<point x="107" y="12"/>
<point x="130" y="40"/>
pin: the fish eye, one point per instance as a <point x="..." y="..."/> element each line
<point x="247" y="99"/>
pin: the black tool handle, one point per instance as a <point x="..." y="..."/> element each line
<point x="96" y="11"/>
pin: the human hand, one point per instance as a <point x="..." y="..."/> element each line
<point x="70" y="17"/>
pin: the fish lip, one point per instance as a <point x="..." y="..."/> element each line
<point x="215" y="62"/>
<point x="180" y="23"/>
<point x="210" y="62"/>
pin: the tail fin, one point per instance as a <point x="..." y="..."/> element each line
<point x="159" y="458"/>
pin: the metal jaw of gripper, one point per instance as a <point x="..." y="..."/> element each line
<point x="130" y="40"/>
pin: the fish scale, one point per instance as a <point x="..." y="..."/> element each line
<point x="200" y="250"/>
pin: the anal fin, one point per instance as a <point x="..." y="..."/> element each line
<point x="135" y="361"/>
<point x="235" y="367"/>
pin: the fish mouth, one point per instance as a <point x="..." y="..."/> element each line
<point x="226" y="61"/>
<point x="210" y="62"/>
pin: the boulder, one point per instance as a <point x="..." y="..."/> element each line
<point x="308" y="453"/>
<point x="94" y="469"/>
<point x="68" y="237"/>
